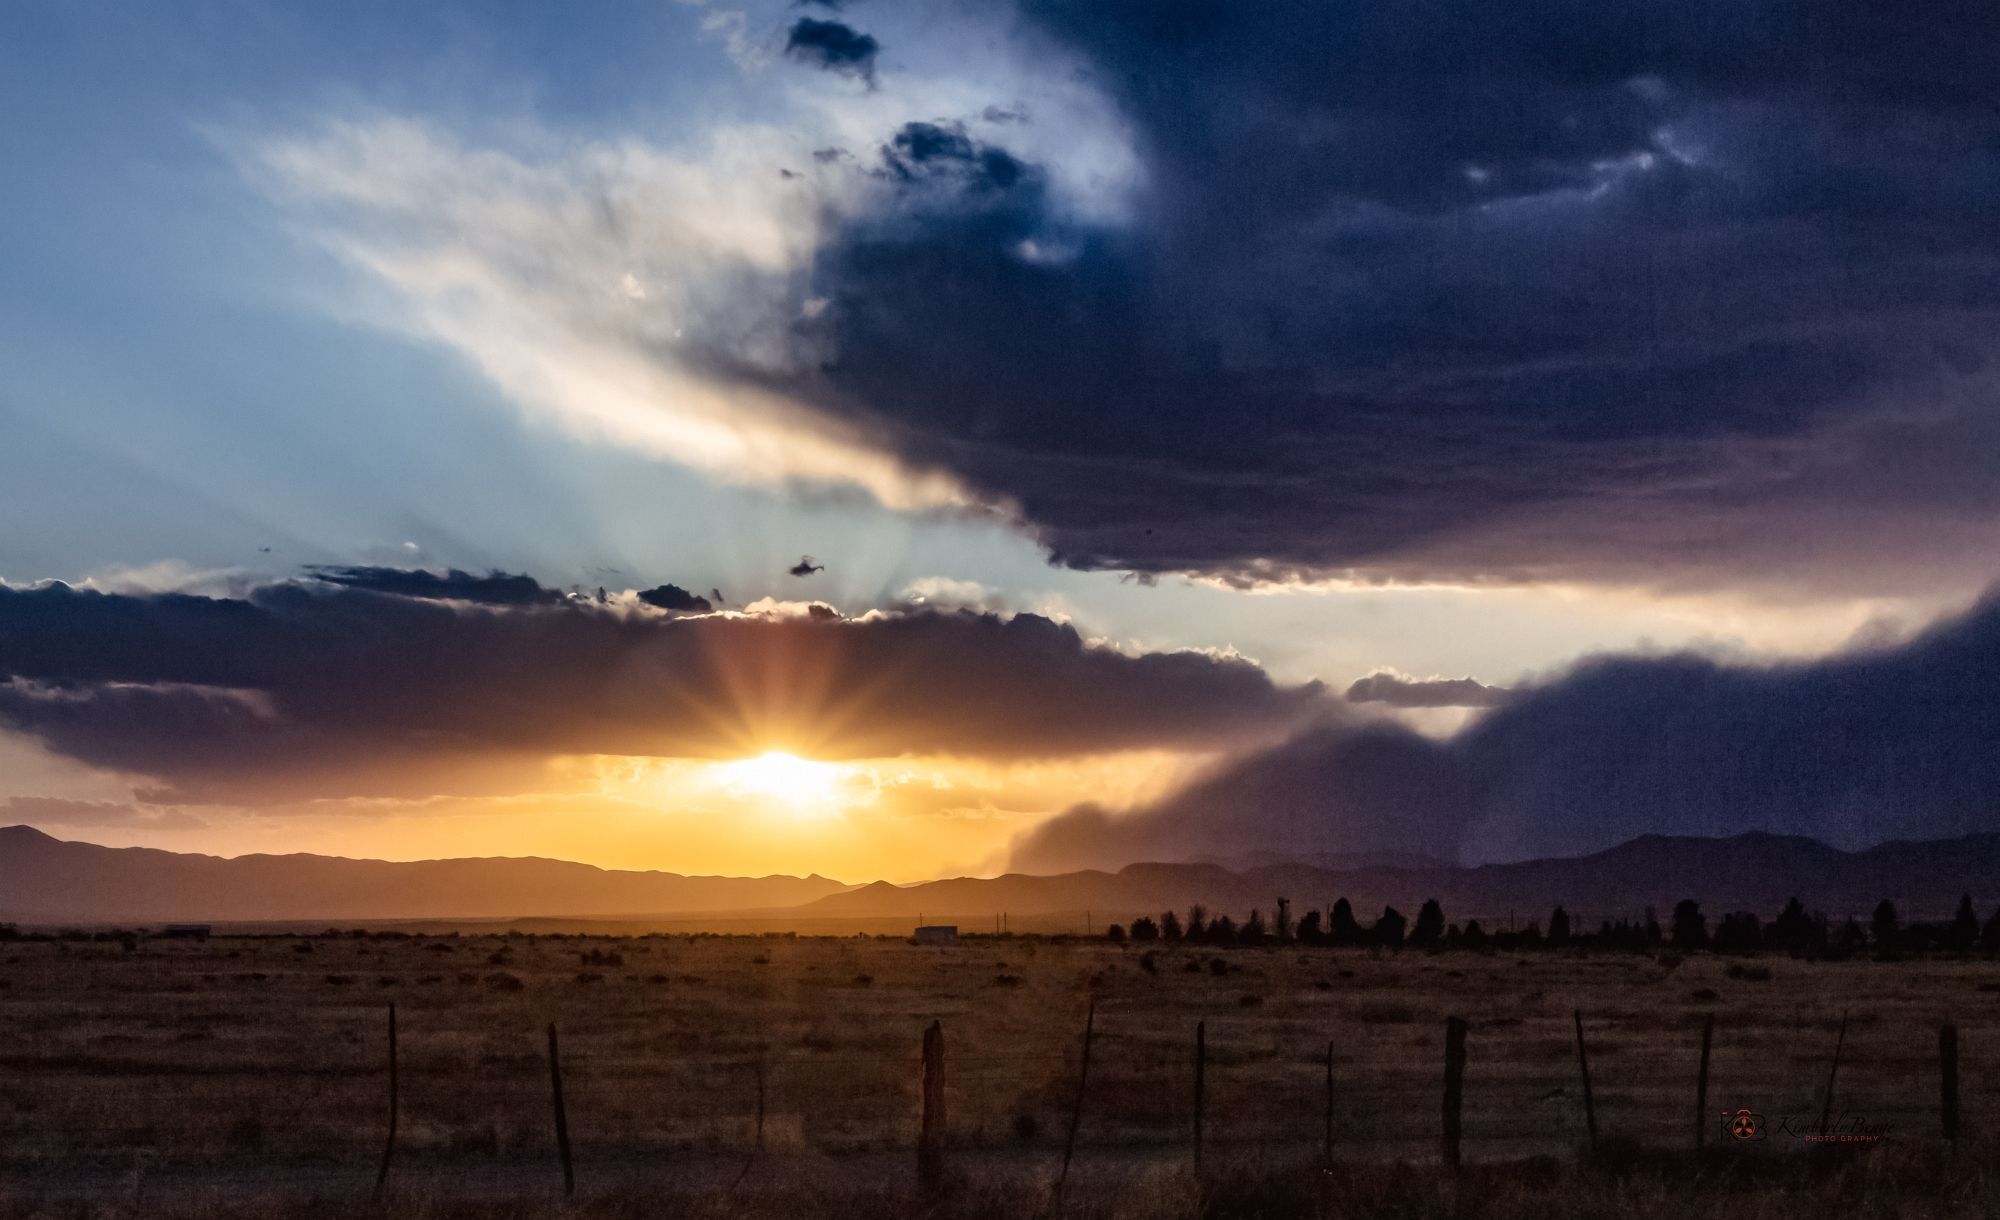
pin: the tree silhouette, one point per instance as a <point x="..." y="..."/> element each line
<point x="1690" y="925"/>
<point x="1792" y="930"/>
<point x="1964" y="934"/>
<point x="1989" y="936"/>
<point x="1389" y="929"/>
<point x="1739" y="932"/>
<point x="1222" y="930"/>
<point x="1253" y="932"/>
<point x="1170" y="926"/>
<point x="1559" y="929"/>
<point x="1143" y="928"/>
<point x="1344" y="929"/>
<point x="1429" y="931"/>
<point x="1284" y="925"/>
<point x="1885" y="927"/>
<point x="1197" y="925"/>
<point x="1851" y="937"/>
<point x="1115" y="934"/>
<point x="1309" y="932"/>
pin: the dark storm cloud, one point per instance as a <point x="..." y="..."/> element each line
<point x="1418" y="692"/>
<point x="1331" y="790"/>
<point x="301" y="690"/>
<point x="493" y="589"/>
<point x="673" y="597"/>
<point x="933" y="151"/>
<point x="834" y="46"/>
<point x="1533" y="290"/>
<point x="1855" y="750"/>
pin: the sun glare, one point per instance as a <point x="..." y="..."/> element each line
<point x="800" y="784"/>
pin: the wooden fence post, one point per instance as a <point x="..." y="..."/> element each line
<point x="1076" y="1107"/>
<point x="1826" y="1103"/>
<point x="1454" y="1088"/>
<point x="389" y="1145"/>
<point x="1701" y="1087"/>
<point x="1200" y="1086"/>
<point x="759" y="1144"/>
<point x="1948" y="1081"/>
<point x="1326" y="1151"/>
<point x="562" y="1116"/>
<point x="1583" y="1063"/>
<point x="930" y="1130"/>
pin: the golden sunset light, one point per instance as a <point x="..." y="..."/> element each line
<point x="801" y="785"/>
<point x="765" y="556"/>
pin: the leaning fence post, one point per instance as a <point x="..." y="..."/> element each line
<point x="562" y="1117"/>
<point x="1454" y="1088"/>
<point x="1076" y="1107"/>
<point x="1701" y="1087"/>
<point x="1200" y="1086"/>
<point x="1948" y="1080"/>
<point x="1826" y="1104"/>
<point x="930" y="1130"/>
<point x="1583" y="1063"/>
<point x="389" y="1145"/>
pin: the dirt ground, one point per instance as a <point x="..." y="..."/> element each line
<point x="252" y="1073"/>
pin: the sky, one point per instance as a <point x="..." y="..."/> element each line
<point x="897" y="440"/>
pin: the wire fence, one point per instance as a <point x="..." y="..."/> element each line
<point x="1139" y="1088"/>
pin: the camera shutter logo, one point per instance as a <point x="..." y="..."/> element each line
<point x="1743" y="1125"/>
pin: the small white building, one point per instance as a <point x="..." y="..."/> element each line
<point x="937" y="934"/>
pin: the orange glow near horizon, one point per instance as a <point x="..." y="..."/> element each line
<point x="901" y="818"/>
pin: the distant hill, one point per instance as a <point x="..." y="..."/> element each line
<point x="1757" y="872"/>
<point x="47" y="880"/>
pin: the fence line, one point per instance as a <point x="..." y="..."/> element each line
<point x="1156" y="1072"/>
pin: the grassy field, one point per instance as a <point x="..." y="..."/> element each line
<point x="248" y="1076"/>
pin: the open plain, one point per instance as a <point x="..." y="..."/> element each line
<point x="776" y="1075"/>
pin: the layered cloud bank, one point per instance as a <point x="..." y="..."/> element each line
<point x="1638" y="293"/>
<point x="1853" y="750"/>
<point x="381" y="682"/>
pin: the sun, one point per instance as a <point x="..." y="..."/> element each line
<point x="775" y="776"/>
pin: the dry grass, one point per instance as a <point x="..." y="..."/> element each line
<point x="223" y="1077"/>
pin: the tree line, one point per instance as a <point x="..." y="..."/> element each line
<point x="1794" y="930"/>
